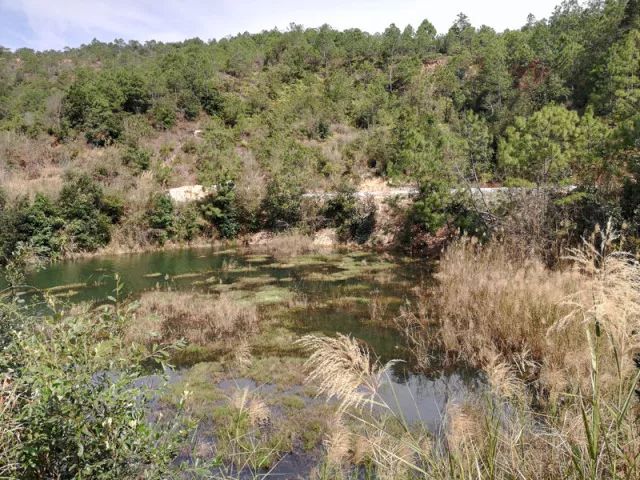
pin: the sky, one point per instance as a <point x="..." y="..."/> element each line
<point x="55" y="24"/>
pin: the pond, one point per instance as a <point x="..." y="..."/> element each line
<point x="351" y="292"/>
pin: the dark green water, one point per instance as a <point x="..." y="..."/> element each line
<point x="337" y="292"/>
<point x="339" y="286"/>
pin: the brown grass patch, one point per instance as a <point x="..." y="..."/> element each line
<point x="285" y="245"/>
<point x="489" y="301"/>
<point x="557" y="347"/>
<point x="199" y="319"/>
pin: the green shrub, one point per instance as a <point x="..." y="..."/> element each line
<point x="189" y="104"/>
<point x="97" y="103"/>
<point x="341" y="208"/>
<point x="80" y="219"/>
<point x="88" y="213"/>
<point x="233" y="108"/>
<point x="40" y="225"/>
<point x="210" y="99"/>
<point x="163" y="115"/>
<point x="75" y="401"/>
<point x="281" y="208"/>
<point x="187" y="222"/>
<point x="435" y="208"/>
<point x="220" y="210"/>
<point x="160" y="218"/>
<point x="137" y="158"/>
<point x="353" y="219"/>
<point x="103" y="128"/>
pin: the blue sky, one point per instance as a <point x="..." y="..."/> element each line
<point x="46" y="24"/>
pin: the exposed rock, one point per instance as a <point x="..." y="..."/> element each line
<point x="189" y="193"/>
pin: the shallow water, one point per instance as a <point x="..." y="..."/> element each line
<point x="328" y="293"/>
<point x="339" y="287"/>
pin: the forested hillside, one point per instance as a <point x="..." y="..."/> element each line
<point x="91" y="137"/>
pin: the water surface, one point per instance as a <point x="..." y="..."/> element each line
<point x="356" y="293"/>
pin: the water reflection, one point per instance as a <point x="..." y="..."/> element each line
<point x="337" y="290"/>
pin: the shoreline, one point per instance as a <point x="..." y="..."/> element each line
<point x="319" y="241"/>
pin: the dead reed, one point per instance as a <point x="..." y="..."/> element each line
<point x="200" y="319"/>
<point x="558" y="350"/>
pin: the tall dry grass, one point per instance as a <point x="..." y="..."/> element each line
<point x="285" y="245"/>
<point x="9" y="428"/>
<point x="197" y="318"/>
<point x="557" y="349"/>
<point x="343" y="369"/>
<point x="488" y="299"/>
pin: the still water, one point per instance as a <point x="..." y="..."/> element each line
<point x="344" y="291"/>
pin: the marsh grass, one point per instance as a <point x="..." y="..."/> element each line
<point x="343" y="369"/>
<point x="286" y="245"/>
<point x="199" y="319"/>
<point x="486" y="300"/>
<point x="557" y="349"/>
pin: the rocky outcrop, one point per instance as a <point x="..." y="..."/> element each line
<point x="189" y="193"/>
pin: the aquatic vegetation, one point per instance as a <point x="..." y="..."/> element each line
<point x="248" y="282"/>
<point x="283" y="372"/>
<point x="153" y="275"/>
<point x="272" y="294"/>
<point x="188" y="275"/>
<point x="256" y="258"/>
<point x="198" y="318"/>
<point x="62" y="288"/>
<point x="66" y="294"/>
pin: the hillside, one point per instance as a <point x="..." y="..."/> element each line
<point x="91" y="138"/>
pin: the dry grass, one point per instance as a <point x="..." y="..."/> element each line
<point x="247" y="402"/>
<point x="285" y="245"/>
<point x="343" y="369"/>
<point x="200" y="319"/>
<point x="613" y="285"/>
<point x="491" y="303"/>
<point x="337" y="442"/>
<point x="569" y="336"/>
<point x="518" y="319"/>
<point x="9" y="427"/>
<point x="378" y="308"/>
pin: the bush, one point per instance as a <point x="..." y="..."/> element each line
<point x="137" y="158"/>
<point x="38" y="224"/>
<point x="74" y="409"/>
<point x="163" y="115"/>
<point x="189" y="104"/>
<point x="187" y="223"/>
<point x="88" y="212"/>
<point x="98" y="103"/>
<point x="80" y="219"/>
<point x="220" y="210"/>
<point x="160" y="218"/>
<point x="210" y="99"/>
<point x="281" y="208"/>
<point x="354" y="220"/>
<point x="103" y="128"/>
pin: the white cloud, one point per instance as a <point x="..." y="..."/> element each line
<point x="55" y="24"/>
